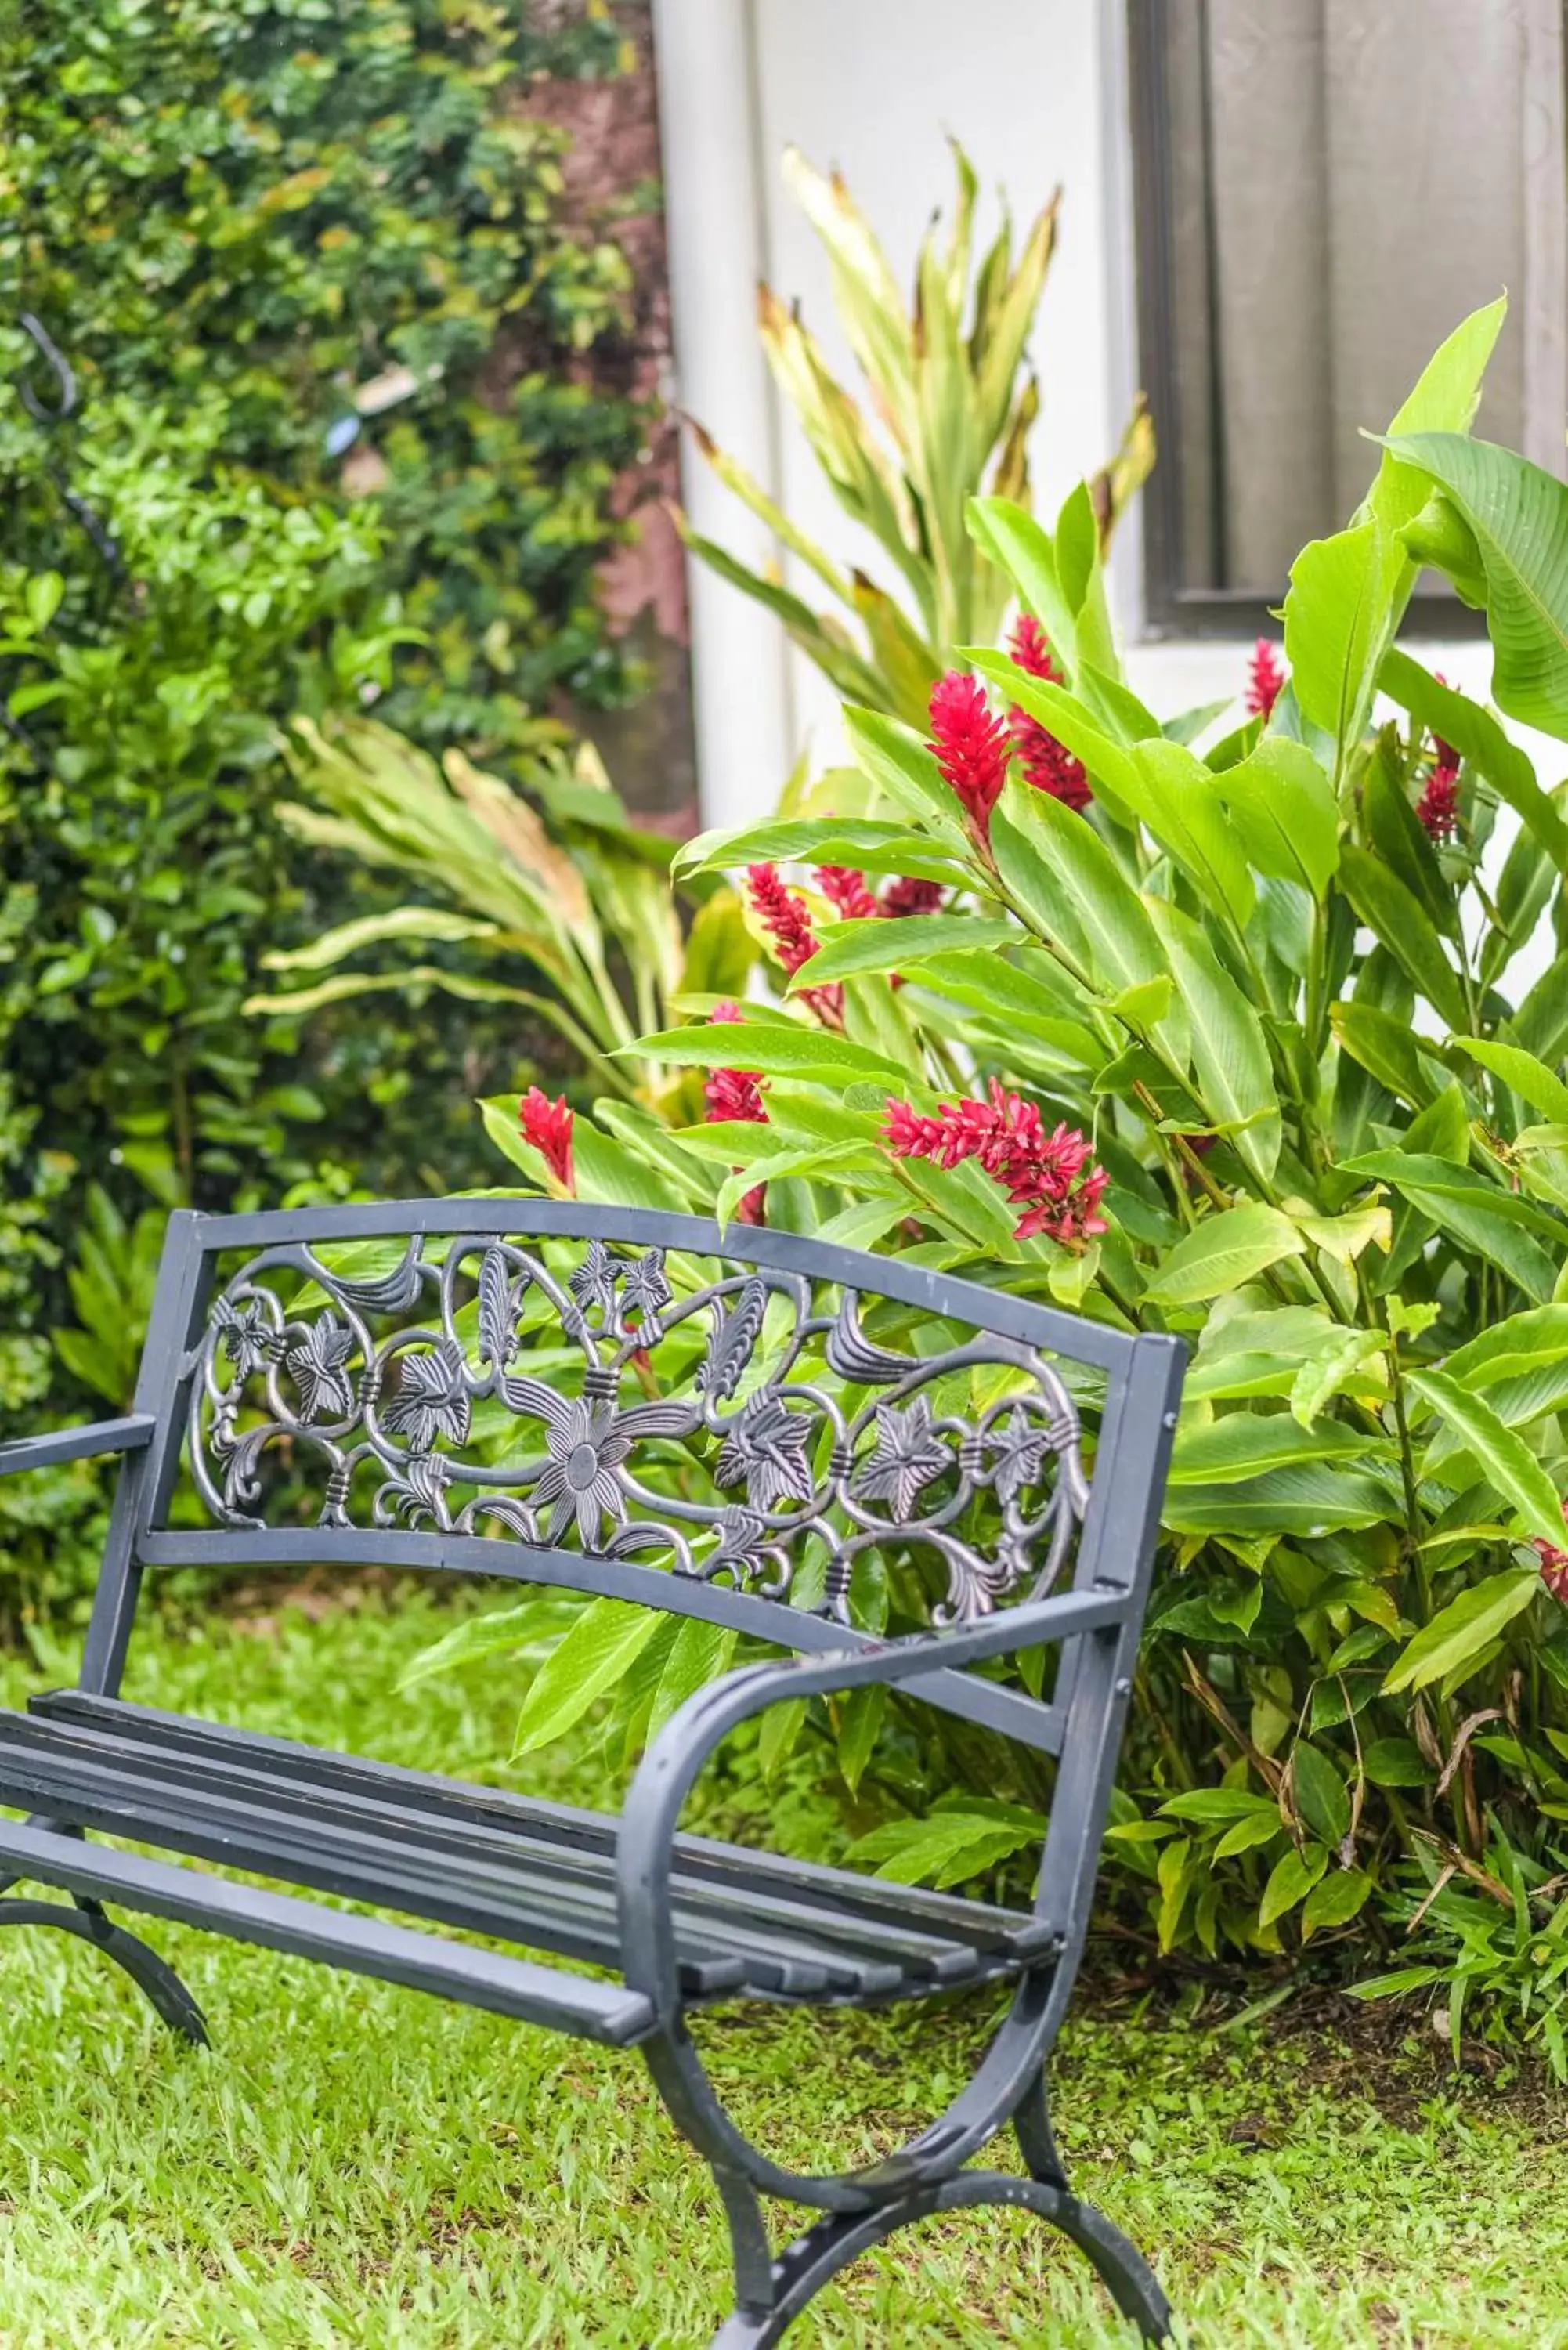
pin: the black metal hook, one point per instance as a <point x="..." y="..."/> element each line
<point x="48" y="417"/>
<point x="40" y="412"/>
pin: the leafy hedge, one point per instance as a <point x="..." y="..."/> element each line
<point x="292" y="254"/>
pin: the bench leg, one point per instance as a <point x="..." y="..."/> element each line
<point x="801" y="2271"/>
<point x="152" y="1974"/>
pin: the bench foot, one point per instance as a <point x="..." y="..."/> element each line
<point x="152" y="1974"/>
<point x="801" y="2271"/>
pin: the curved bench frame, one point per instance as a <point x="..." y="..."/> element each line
<point x="1096" y="1623"/>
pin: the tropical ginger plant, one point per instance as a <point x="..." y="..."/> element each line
<point x="571" y="894"/>
<point x="1221" y="1040"/>
<point x="954" y="401"/>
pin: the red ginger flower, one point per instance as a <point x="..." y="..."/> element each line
<point x="1265" y="679"/>
<point x="1049" y="1176"/>
<point x="845" y="888"/>
<point x="782" y="915"/>
<point x="971" y="747"/>
<point x="1437" y="807"/>
<point x="736" y="1095"/>
<point x="547" y="1125"/>
<point x="907" y="896"/>
<point x="1044" y="763"/>
<point x="1553" y="1562"/>
<point x="787" y="922"/>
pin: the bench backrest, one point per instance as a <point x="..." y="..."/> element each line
<point x="734" y="1426"/>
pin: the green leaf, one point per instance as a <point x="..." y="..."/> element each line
<point x="1283" y="806"/>
<point x="601" y="1646"/>
<point x="1291" y="1879"/>
<point x="482" y="1639"/>
<point x="1387" y="908"/>
<point x="1025" y="549"/>
<point x="1063" y="715"/>
<point x="1482" y="1214"/>
<point x="1244" y="1444"/>
<point x="1462" y="1630"/>
<point x="863" y="841"/>
<point x="1320" y="1792"/>
<point x="1209" y="1805"/>
<point x="1518" y="516"/>
<point x="878" y="944"/>
<point x="1179" y="800"/>
<point x="1529" y="1078"/>
<point x="1335" y="615"/>
<point x="1230" y="1051"/>
<point x="699" y="1653"/>
<point x="1394" y="1985"/>
<point x="1504" y="1458"/>
<point x="1510" y="1348"/>
<point x="1395" y="1762"/>
<point x="1225" y="1250"/>
<point x="1261" y="1828"/>
<point x="1476" y="736"/>
<point x="776" y="1740"/>
<point x="1342" y="1364"/>
<point x="780" y="1049"/>
<point x="1442" y="1130"/>
<point x="859" y="1727"/>
<point x="1336" y="1899"/>
<point x="900" y="763"/>
<point x="1400" y="840"/>
<point x="373" y="929"/>
<point x="1540" y="1022"/>
<point x="1384" y="1047"/>
<point x="1122" y="948"/>
<point x="1315" y="1500"/>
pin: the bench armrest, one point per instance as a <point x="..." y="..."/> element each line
<point x="127" y="1435"/>
<point x="672" y="1763"/>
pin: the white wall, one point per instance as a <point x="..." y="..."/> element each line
<point x="873" y="87"/>
<point x="1037" y="91"/>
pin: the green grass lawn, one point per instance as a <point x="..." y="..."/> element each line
<point x="352" y="2164"/>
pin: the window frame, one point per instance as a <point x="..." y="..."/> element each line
<point x="1171" y="610"/>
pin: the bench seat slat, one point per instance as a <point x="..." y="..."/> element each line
<point x="538" y="1874"/>
<point x="543" y="1913"/>
<point x="458" y="1850"/>
<point x="608" y="2013"/>
<point x="1014" y="1933"/>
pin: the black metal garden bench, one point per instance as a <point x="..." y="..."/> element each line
<point x="627" y="1405"/>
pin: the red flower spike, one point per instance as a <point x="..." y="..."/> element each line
<point x="846" y="891"/>
<point x="1437" y="807"/>
<point x="971" y="747"/>
<point x="1050" y="1176"/>
<point x="736" y="1094"/>
<point x="1030" y="648"/>
<point x="1044" y="764"/>
<point x="1265" y="679"/>
<point x="907" y="896"/>
<point x="1553" y="1562"/>
<point x="787" y="923"/>
<point x="782" y="915"/>
<point x="547" y="1125"/>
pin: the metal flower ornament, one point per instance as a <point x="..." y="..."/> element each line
<point x="734" y="1423"/>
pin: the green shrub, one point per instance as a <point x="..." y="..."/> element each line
<point x="251" y="231"/>
<point x="1257" y="1077"/>
<point x="339" y="215"/>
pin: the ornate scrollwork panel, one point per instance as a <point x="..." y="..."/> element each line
<point x="728" y="1420"/>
